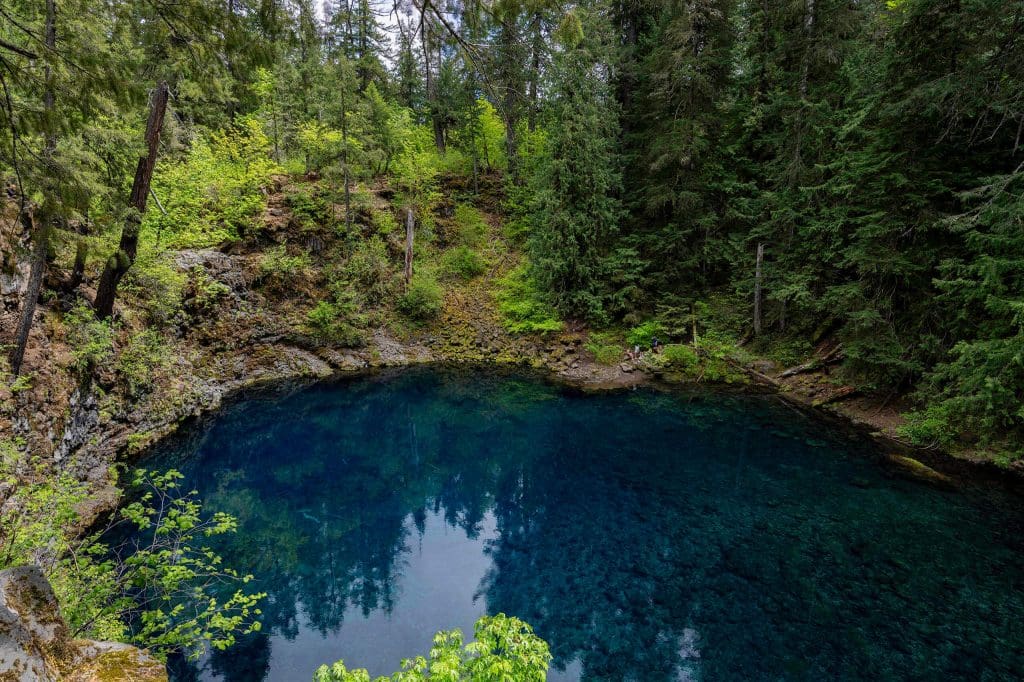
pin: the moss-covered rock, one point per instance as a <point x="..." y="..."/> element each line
<point x="36" y="645"/>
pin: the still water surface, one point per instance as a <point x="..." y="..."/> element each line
<point x="645" y="535"/>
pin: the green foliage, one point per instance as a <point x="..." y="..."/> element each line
<point x="680" y="357"/>
<point x="22" y="383"/>
<point x="577" y="210"/>
<point x="384" y="222"/>
<point x="462" y="262"/>
<point x="175" y="592"/>
<point x="91" y="340"/>
<point x="933" y="426"/>
<point x="155" y="285"/>
<point x="216" y="194"/>
<point x="720" y="358"/>
<point x="179" y="593"/>
<point x="522" y="305"/>
<point x="338" y="321"/>
<point x="144" y="354"/>
<point x="423" y="299"/>
<point x="416" y="168"/>
<point x="489" y="137"/>
<point x="645" y="333"/>
<point x="279" y="269"/>
<point x="309" y="206"/>
<point x="470" y="226"/>
<point x="370" y="271"/>
<point x="205" y="291"/>
<point x="505" y="649"/>
<point x="319" y="143"/>
<point x="604" y="348"/>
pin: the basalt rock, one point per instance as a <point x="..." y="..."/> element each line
<point x="36" y="644"/>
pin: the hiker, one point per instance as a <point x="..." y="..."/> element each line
<point x="654" y="344"/>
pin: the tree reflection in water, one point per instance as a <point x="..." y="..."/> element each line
<point x="645" y="536"/>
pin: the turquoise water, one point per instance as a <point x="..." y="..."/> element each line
<point x="645" y="535"/>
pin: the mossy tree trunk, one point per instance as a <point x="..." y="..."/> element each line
<point x="121" y="260"/>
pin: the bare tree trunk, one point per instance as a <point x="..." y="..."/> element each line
<point x="431" y="85"/>
<point x="120" y="261"/>
<point x="40" y="235"/>
<point x="410" y="224"/>
<point x="757" y="289"/>
<point x="78" y="271"/>
<point x="35" y="283"/>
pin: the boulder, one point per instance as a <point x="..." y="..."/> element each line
<point x="36" y="644"/>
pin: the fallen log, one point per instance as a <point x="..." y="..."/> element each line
<point x="842" y="393"/>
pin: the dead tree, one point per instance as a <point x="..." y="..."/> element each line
<point x="410" y="223"/>
<point x="121" y="260"/>
<point x="757" y="289"/>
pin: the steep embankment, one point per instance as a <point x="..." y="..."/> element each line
<point x="243" y="320"/>
<point x="239" y="316"/>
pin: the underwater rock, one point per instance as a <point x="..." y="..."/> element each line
<point x="918" y="470"/>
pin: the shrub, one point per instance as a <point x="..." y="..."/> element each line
<point x="205" y="291"/>
<point x="337" y="322"/>
<point x="423" y="299"/>
<point x="604" y="348"/>
<point x="929" y="427"/>
<point x="470" y="227"/>
<point x="504" y="648"/>
<point x="137" y="361"/>
<point x="157" y="284"/>
<point x="91" y="340"/>
<point x="278" y="269"/>
<point x="384" y="221"/>
<point x="643" y="334"/>
<point x="310" y="208"/>
<point x="369" y="268"/>
<point x="680" y="357"/>
<point x="718" y="354"/>
<point x="462" y="263"/>
<point x="215" y="195"/>
<point x="522" y="306"/>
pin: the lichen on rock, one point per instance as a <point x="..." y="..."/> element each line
<point x="36" y="644"/>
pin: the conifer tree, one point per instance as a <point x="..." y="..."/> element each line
<point x="577" y="206"/>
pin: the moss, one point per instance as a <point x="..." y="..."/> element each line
<point x="120" y="665"/>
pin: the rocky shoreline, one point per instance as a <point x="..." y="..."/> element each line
<point x="250" y="340"/>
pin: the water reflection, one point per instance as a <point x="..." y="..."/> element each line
<point x="646" y="536"/>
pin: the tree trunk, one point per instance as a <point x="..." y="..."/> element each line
<point x="39" y="236"/>
<point x="757" y="289"/>
<point x="120" y="261"/>
<point x="78" y="271"/>
<point x="410" y="224"/>
<point x="35" y="284"/>
<point x="431" y="87"/>
<point x="511" y="149"/>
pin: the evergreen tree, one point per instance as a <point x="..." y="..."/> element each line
<point x="577" y="205"/>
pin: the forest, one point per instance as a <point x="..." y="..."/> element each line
<point x="832" y="186"/>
